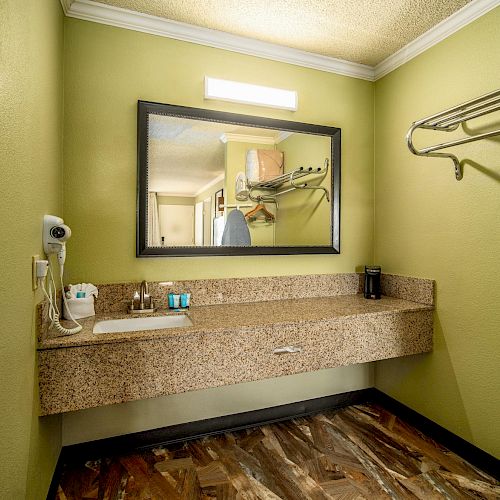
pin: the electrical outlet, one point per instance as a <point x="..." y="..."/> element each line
<point x="33" y="271"/>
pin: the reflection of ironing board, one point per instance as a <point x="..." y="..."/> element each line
<point x="218" y="230"/>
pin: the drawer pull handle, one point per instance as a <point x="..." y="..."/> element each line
<point x="287" y="349"/>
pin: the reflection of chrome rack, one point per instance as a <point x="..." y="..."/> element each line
<point x="450" y="120"/>
<point x="291" y="177"/>
<point x="225" y="206"/>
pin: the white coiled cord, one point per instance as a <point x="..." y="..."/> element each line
<point x="54" y="313"/>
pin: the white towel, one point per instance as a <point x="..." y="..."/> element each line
<point x="88" y="288"/>
<point x="218" y="230"/>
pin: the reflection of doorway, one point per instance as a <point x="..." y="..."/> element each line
<point x="177" y="225"/>
<point x="207" y="222"/>
<point x="203" y="223"/>
<point x="198" y="224"/>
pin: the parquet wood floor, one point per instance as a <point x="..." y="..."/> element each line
<point x="359" y="452"/>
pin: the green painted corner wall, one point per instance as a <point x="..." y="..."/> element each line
<point x="427" y="224"/>
<point x="108" y="69"/>
<point x="31" y="96"/>
<point x="305" y="216"/>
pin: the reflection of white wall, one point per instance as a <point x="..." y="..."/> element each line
<point x="177" y="224"/>
<point x="198" y="224"/>
<point x="207" y="222"/>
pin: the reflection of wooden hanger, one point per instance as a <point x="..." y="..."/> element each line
<point x="260" y="208"/>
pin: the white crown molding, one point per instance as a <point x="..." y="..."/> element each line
<point x="124" y="18"/>
<point x="282" y="135"/>
<point x="89" y="10"/>
<point x="65" y="4"/>
<point x="174" y="195"/>
<point x="255" y="139"/>
<point x="213" y="182"/>
<point x="436" y="34"/>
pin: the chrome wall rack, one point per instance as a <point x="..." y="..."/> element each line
<point x="290" y="177"/>
<point x="450" y="120"/>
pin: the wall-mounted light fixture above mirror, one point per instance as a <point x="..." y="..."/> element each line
<point x="247" y="93"/>
<point x="216" y="183"/>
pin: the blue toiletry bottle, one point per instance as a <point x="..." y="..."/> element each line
<point x="171" y="300"/>
<point x="184" y="300"/>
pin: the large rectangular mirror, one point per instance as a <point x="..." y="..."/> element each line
<point x="216" y="183"/>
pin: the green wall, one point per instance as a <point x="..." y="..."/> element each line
<point x="428" y="224"/>
<point x="305" y="216"/>
<point x="31" y="45"/>
<point x="108" y="69"/>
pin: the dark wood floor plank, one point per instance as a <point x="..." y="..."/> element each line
<point x="331" y="447"/>
<point x="421" y="488"/>
<point x="174" y="464"/>
<point x="373" y="465"/>
<point x="198" y="453"/>
<point x="251" y="439"/>
<point x="253" y="469"/>
<point x="236" y="475"/>
<point x="395" y="456"/>
<point x="359" y="452"/>
<point x="295" y="450"/>
<point x="77" y="481"/>
<point x="212" y="474"/>
<point x="444" y="458"/>
<point x="226" y="492"/>
<point x="291" y="479"/>
<point x="154" y="485"/>
<point x="487" y="489"/>
<point x="110" y="477"/>
<point x="191" y="487"/>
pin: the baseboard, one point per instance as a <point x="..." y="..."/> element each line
<point x="474" y="455"/>
<point x="218" y="425"/>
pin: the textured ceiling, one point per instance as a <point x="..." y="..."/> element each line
<point x="185" y="155"/>
<point x="363" y="31"/>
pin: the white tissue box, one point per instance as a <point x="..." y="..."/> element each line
<point x="79" y="308"/>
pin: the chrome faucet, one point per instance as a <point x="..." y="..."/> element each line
<point x="143" y="294"/>
<point x="142" y="301"/>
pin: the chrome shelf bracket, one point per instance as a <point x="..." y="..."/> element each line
<point x="449" y="120"/>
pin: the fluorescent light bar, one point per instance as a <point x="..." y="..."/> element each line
<point x="246" y="93"/>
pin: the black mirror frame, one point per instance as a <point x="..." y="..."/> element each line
<point x="145" y="108"/>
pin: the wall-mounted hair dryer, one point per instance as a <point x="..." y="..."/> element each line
<point x="55" y="235"/>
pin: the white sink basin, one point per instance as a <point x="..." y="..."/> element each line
<point x="139" y="324"/>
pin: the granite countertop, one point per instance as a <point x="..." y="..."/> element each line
<point x="222" y="317"/>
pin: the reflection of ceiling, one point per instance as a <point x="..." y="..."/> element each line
<point x="364" y="31"/>
<point x="187" y="155"/>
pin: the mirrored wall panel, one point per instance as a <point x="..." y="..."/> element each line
<point x="213" y="183"/>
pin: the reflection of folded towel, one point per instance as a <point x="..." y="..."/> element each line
<point x="236" y="232"/>
<point x="218" y="230"/>
<point x="88" y="288"/>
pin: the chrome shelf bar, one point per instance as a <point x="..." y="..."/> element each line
<point x="282" y="179"/>
<point x="289" y="177"/>
<point x="450" y="120"/>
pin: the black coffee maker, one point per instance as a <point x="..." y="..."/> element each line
<point x="372" y="282"/>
